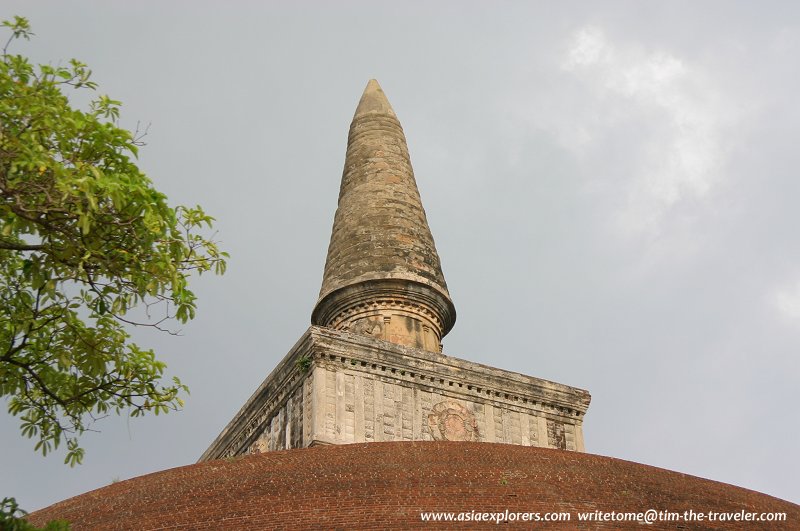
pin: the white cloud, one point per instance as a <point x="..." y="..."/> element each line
<point x="588" y="48"/>
<point x="680" y="111"/>
<point x="787" y="301"/>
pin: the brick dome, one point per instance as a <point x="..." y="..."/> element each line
<point x="386" y="485"/>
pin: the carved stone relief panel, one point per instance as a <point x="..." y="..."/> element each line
<point x="260" y="445"/>
<point x="450" y="421"/>
<point x="555" y="435"/>
<point x="369" y="326"/>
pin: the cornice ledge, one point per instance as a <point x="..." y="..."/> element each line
<point x="500" y="382"/>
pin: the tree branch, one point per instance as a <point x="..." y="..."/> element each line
<point x="20" y="247"/>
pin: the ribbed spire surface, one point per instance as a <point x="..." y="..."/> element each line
<point x="380" y="232"/>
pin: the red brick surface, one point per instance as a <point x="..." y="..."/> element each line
<point x="386" y="485"/>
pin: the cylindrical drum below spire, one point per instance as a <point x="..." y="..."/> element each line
<point x="382" y="275"/>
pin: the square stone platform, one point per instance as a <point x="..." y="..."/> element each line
<point x="336" y="387"/>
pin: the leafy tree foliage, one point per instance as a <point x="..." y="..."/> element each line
<point x="12" y="518"/>
<point x="86" y="243"/>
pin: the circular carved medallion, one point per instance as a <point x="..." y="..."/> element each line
<point x="450" y="421"/>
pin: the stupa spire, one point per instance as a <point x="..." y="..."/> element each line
<point x="382" y="275"/>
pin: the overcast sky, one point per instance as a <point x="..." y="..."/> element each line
<point x="613" y="189"/>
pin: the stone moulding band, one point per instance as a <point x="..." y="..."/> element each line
<point x="544" y="401"/>
<point x="339" y="306"/>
